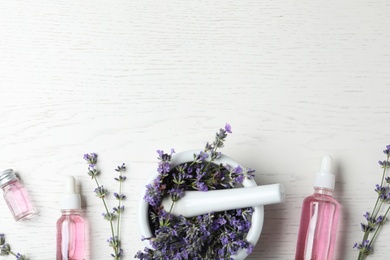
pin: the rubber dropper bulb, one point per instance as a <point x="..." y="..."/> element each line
<point x="325" y="177"/>
<point x="70" y="185"/>
<point x="71" y="199"/>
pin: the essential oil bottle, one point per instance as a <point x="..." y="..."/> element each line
<point x="71" y="225"/>
<point x="15" y="196"/>
<point x="319" y="218"/>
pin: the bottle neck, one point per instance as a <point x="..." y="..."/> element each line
<point x="70" y="211"/>
<point x="10" y="184"/>
<point x="323" y="191"/>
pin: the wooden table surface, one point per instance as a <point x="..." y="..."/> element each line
<point x="295" y="79"/>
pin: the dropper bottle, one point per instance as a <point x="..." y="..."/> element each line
<point x="319" y="218"/>
<point x="71" y="225"/>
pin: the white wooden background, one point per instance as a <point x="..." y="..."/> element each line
<point x="123" y="78"/>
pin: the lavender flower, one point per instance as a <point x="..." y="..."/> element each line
<point x="119" y="196"/>
<point x="5" y="249"/>
<point x="163" y="165"/>
<point x="383" y="192"/>
<point x="384" y="164"/>
<point x="110" y="216"/>
<point x="91" y="158"/>
<point x="92" y="171"/>
<point x="120" y="178"/>
<point x="364" y="248"/>
<point x="238" y="174"/>
<point x="374" y="221"/>
<point x="20" y="257"/>
<point x="176" y="193"/>
<point x="101" y="192"/>
<point x="177" y="237"/>
<point x="113" y="242"/>
<point x="153" y="195"/>
<point x="121" y="168"/>
<point x="201" y="186"/>
<point x="387" y="150"/>
<point x="228" y="128"/>
<point x="2" y="239"/>
<point x="118" y="209"/>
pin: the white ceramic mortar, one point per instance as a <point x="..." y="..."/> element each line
<point x="187" y="156"/>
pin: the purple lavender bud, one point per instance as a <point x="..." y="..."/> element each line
<point x="101" y="192"/>
<point x="121" y="168"/>
<point x="5" y="249"/>
<point x="20" y="257"/>
<point x="384" y="164"/>
<point x="176" y="193"/>
<point x="201" y="186"/>
<point x="119" y="196"/>
<point x="2" y="239"/>
<point x="203" y="156"/>
<point x="91" y="158"/>
<point x="379" y="220"/>
<point x="228" y="128"/>
<point x="239" y="178"/>
<point x="387" y="150"/>
<point x="160" y="153"/>
<point x="249" y="249"/>
<point x="238" y="169"/>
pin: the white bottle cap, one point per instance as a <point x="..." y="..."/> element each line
<point x="71" y="199"/>
<point x="325" y="177"/>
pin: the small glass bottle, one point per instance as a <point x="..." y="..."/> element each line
<point x="15" y="195"/>
<point x="71" y="225"/>
<point x="319" y="218"/>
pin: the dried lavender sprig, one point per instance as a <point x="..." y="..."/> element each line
<point x="375" y="222"/>
<point x="114" y="241"/>
<point x="119" y="197"/>
<point x="5" y="249"/>
<point x="217" y="143"/>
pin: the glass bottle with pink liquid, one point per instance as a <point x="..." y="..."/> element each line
<point x="71" y="225"/>
<point x="319" y="218"/>
<point x="15" y="195"/>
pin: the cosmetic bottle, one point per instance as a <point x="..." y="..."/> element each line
<point x="319" y="218"/>
<point x="15" y="195"/>
<point x="71" y="225"/>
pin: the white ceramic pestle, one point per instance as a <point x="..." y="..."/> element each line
<point x="196" y="203"/>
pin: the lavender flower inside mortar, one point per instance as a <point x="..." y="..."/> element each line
<point x="230" y="234"/>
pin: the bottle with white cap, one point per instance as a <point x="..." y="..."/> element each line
<point x="71" y="225"/>
<point x="319" y="218"/>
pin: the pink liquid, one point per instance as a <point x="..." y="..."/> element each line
<point x="17" y="200"/>
<point x="70" y="236"/>
<point x="318" y="227"/>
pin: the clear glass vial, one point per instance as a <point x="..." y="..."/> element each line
<point x="15" y="195"/>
